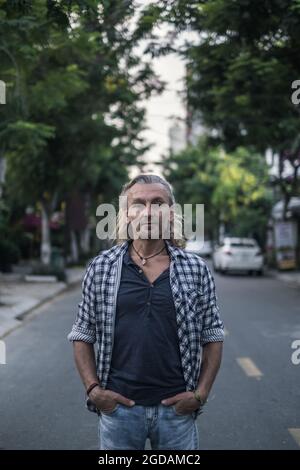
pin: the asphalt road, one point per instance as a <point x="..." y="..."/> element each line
<point x="255" y="402"/>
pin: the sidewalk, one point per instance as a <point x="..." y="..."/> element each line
<point x="291" y="278"/>
<point x="18" y="297"/>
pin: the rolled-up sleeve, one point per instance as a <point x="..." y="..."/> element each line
<point x="212" y="325"/>
<point x="84" y="328"/>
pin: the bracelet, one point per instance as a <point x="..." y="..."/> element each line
<point x="91" y="387"/>
<point x="199" y="398"/>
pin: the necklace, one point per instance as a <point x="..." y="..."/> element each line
<point x="144" y="258"/>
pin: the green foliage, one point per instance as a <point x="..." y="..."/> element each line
<point x="9" y="251"/>
<point x="233" y="187"/>
<point x="240" y="72"/>
<point x="75" y="84"/>
<point x="242" y="183"/>
<point x="73" y="99"/>
<point x="42" y="270"/>
<point x="9" y="254"/>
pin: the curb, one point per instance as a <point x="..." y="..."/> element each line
<point x="284" y="277"/>
<point x="18" y="320"/>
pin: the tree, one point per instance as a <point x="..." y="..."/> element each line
<point x="232" y="187"/>
<point x="240" y="73"/>
<point x="194" y="177"/>
<point x="27" y="36"/>
<point x="74" y="111"/>
<point x="242" y="194"/>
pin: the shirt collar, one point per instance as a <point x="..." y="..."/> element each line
<point x="117" y="250"/>
<point x="172" y="250"/>
<point x="127" y="258"/>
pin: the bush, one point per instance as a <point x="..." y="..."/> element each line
<point x="43" y="270"/>
<point x="9" y="254"/>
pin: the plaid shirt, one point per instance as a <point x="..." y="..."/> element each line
<point x="195" y="301"/>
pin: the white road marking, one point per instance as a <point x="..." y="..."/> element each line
<point x="249" y="367"/>
<point x="295" y="433"/>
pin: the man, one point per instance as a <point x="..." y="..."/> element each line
<point x="150" y="307"/>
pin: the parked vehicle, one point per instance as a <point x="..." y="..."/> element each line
<point x="201" y="248"/>
<point x="241" y="254"/>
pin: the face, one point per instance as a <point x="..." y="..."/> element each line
<point x="149" y="213"/>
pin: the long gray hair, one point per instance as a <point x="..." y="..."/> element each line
<point x="176" y="237"/>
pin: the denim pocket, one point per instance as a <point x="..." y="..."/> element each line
<point x="108" y="413"/>
<point x="193" y="414"/>
<point x="179" y="414"/>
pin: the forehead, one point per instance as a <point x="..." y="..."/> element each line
<point x="148" y="191"/>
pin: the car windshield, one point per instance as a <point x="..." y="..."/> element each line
<point x="243" y="244"/>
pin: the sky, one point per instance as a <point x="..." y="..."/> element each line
<point x="161" y="109"/>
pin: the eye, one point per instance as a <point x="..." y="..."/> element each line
<point x="159" y="203"/>
<point x="137" y="205"/>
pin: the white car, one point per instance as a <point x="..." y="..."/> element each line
<point x="242" y="254"/>
<point x="201" y="248"/>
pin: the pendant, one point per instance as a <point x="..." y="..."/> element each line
<point x="143" y="261"/>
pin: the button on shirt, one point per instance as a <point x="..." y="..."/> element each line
<point x="146" y="365"/>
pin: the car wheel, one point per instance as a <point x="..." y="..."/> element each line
<point x="259" y="272"/>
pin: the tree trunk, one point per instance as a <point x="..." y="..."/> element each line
<point x="85" y="234"/>
<point x="46" y="236"/>
<point x="2" y="168"/>
<point x="286" y="202"/>
<point x="74" y="247"/>
<point x="85" y="240"/>
<point x="222" y="228"/>
<point x="283" y="186"/>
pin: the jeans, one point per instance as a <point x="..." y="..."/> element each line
<point x="128" y="428"/>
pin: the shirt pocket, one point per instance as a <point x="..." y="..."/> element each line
<point x="193" y="310"/>
<point x="192" y="301"/>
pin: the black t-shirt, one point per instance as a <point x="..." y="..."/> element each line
<point x="146" y="365"/>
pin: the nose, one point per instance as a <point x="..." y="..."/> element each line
<point x="147" y="210"/>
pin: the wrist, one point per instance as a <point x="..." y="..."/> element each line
<point x="200" y="396"/>
<point x="92" y="387"/>
<point x="97" y="394"/>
